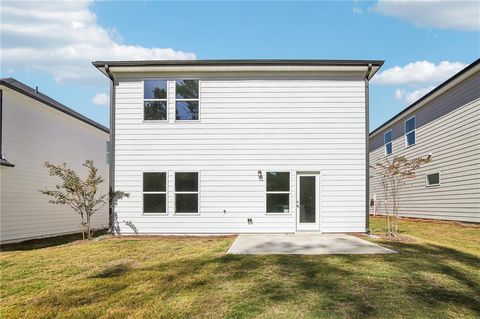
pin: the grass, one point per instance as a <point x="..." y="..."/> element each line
<point x="436" y="275"/>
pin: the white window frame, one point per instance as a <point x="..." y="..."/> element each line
<point x="414" y="131"/>
<point x="175" y="194"/>
<point x="279" y="192"/>
<point x="156" y="192"/>
<point x="154" y="100"/>
<point x="385" y="144"/>
<point x="186" y="100"/>
<point x="433" y="185"/>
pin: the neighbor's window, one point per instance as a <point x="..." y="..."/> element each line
<point x="410" y="126"/>
<point x="155" y="100"/>
<point x="278" y="192"/>
<point x="433" y="179"/>
<point x="107" y="152"/>
<point x="155" y="192"/>
<point x="187" y="100"/>
<point x="387" y="141"/>
<point x="186" y="192"/>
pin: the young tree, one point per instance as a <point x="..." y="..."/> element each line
<point x="394" y="174"/>
<point x="81" y="195"/>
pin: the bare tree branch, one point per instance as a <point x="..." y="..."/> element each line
<point x="394" y="174"/>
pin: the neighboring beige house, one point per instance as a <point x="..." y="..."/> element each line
<point x="34" y="129"/>
<point x="445" y="123"/>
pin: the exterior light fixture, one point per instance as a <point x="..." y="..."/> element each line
<point x="260" y="176"/>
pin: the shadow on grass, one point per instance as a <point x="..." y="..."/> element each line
<point x="318" y="286"/>
<point x="441" y="261"/>
<point x="48" y="242"/>
<point x="110" y="271"/>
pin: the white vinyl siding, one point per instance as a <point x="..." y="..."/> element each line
<point x="32" y="134"/>
<point x="247" y="124"/>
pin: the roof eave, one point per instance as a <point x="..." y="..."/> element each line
<point x="237" y="66"/>
<point x="261" y="62"/>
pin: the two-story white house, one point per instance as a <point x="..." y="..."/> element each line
<point x="237" y="146"/>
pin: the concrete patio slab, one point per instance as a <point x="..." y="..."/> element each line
<point x="304" y="244"/>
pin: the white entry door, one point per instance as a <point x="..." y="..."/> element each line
<point x="308" y="208"/>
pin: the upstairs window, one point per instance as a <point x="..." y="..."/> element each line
<point x="155" y="192"/>
<point x="410" y="126"/>
<point x="186" y="192"/>
<point x="187" y="100"/>
<point x="387" y="141"/>
<point x="155" y="100"/>
<point x="278" y="192"/>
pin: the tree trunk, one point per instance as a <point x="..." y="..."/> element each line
<point x="83" y="227"/>
<point x="89" y="234"/>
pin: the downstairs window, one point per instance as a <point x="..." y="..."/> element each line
<point x="186" y="192"/>
<point x="278" y="192"/>
<point x="154" y="192"/>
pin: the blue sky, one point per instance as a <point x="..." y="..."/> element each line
<point x="51" y="45"/>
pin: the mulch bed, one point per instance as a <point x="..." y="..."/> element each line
<point x="383" y="237"/>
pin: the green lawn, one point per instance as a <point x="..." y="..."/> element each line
<point x="436" y="275"/>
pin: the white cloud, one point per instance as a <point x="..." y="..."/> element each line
<point x="443" y="14"/>
<point x="419" y="72"/>
<point x="357" y="10"/>
<point x="61" y="38"/>
<point x="411" y="96"/>
<point x="101" y="99"/>
<point x="360" y="7"/>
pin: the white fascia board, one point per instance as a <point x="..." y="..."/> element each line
<point x="234" y="69"/>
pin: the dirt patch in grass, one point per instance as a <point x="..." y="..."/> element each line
<point x="383" y="237"/>
<point x="399" y="238"/>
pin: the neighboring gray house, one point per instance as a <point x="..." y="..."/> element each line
<point x="34" y="128"/>
<point x="237" y="146"/>
<point x="446" y="124"/>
